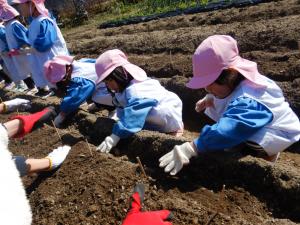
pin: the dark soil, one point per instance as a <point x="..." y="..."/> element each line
<point x="231" y="188"/>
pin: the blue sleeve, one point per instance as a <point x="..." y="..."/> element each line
<point x="2" y="34"/>
<point x="20" y="33"/>
<point x="47" y="36"/>
<point x="242" y="118"/>
<point x="79" y="90"/>
<point x="133" y="117"/>
<point x="3" y="37"/>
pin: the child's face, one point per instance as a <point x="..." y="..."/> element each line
<point x="218" y="90"/>
<point x="112" y="85"/>
<point x="63" y="84"/>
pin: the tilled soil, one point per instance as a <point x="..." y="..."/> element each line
<point x="220" y="188"/>
<point x="94" y="188"/>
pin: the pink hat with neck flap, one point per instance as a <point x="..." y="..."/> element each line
<point x="111" y="59"/>
<point x="216" y="53"/>
<point x="55" y="69"/>
<point x="7" y="12"/>
<point x="39" y="5"/>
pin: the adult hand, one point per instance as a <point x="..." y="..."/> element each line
<point x="34" y="120"/>
<point x="179" y="156"/>
<point x="57" y="156"/>
<point x="136" y="217"/>
<point x="108" y="143"/>
<point x="204" y="103"/>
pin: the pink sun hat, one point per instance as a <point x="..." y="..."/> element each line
<point x="55" y="69"/>
<point x="39" y="5"/>
<point x="7" y="12"/>
<point x="216" y="53"/>
<point x="111" y="59"/>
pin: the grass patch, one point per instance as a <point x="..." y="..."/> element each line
<point x="124" y="9"/>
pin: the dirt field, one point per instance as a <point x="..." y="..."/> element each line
<point x="231" y="188"/>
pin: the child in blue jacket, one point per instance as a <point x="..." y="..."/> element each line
<point x="142" y="103"/>
<point x="247" y="106"/>
<point x="76" y="81"/>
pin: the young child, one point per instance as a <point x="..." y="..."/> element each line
<point x="16" y="38"/>
<point x="44" y="37"/>
<point x="247" y="107"/>
<point x="142" y="103"/>
<point x="7" y="63"/>
<point x="76" y="81"/>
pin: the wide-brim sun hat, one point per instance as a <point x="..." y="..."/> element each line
<point x="39" y="5"/>
<point x="7" y="12"/>
<point x="215" y="54"/>
<point x="111" y="59"/>
<point x="55" y="69"/>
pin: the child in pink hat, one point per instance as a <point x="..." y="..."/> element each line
<point x="14" y="35"/>
<point x="44" y="37"/>
<point x="248" y="107"/>
<point x="142" y="103"/>
<point x="76" y="81"/>
<point x="7" y="62"/>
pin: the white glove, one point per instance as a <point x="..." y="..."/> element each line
<point x="108" y="143"/>
<point x="18" y="103"/>
<point x="57" y="156"/>
<point x="179" y="156"/>
<point x="59" y="119"/>
<point x="207" y="101"/>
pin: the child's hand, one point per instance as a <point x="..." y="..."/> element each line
<point x="177" y="158"/>
<point x="108" y="143"/>
<point x="204" y="103"/>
